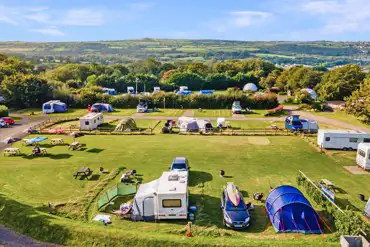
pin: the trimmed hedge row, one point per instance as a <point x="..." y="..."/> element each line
<point x="4" y="112"/>
<point x="347" y="223"/>
<point x="171" y="100"/>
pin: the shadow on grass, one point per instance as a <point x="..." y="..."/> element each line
<point x="199" y="177"/>
<point x="59" y="156"/>
<point x="345" y="203"/>
<point x="95" y="150"/>
<point x="27" y="220"/>
<point x="94" y="177"/>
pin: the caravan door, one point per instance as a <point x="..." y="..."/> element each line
<point x="148" y="209"/>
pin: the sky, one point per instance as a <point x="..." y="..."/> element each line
<point x="251" y="20"/>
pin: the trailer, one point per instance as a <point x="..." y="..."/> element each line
<point x="341" y="139"/>
<point x="363" y="156"/>
<point x="164" y="198"/>
<point x="91" y="121"/>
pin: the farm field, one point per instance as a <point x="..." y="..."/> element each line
<point x="254" y="163"/>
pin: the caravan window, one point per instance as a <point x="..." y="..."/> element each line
<point x="366" y="139"/>
<point x="87" y="123"/>
<point x="362" y="153"/>
<point x="171" y="203"/>
<point x="353" y="139"/>
<point x="327" y="139"/>
<point x="47" y="107"/>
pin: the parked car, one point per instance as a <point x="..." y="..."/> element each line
<point x="236" y="108"/>
<point x="8" y="120"/>
<point x="234" y="216"/>
<point x="142" y="107"/>
<point x="3" y="124"/>
<point x="180" y="164"/>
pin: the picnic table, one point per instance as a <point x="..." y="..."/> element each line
<point x="83" y="172"/>
<point x="74" y="145"/>
<point x="57" y="141"/>
<point x="43" y="151"/>
<point x="12" y="151"/>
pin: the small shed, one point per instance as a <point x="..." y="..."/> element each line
<point x="289" y="211"/>
<point x="91" y="121"/>
<point x="54" y="106"/>
<point x="250" y="87"/>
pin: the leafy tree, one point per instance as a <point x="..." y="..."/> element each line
<point x="191" y="80"/>
<point x="298" y="77"/>
<point x="270" y="80"/>
<point x="13" y="65"/>
<point x="25" y="90"/>
<point x="358" y="103"/>
<point x="67" y="72"/>
<point x="123" y="70"/>
<point x="241" y="79"/>
<point x="339" y="83"/>
<point x="147" y="66"/>
<point x="216" y="81"/>
<point x="197" y="68"/>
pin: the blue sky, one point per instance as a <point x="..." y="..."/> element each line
<point x="90" y="20"/>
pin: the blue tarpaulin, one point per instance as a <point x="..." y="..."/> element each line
<point x="290" y="211"/>
<point x="36" y="139"/>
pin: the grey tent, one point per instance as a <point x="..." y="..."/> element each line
<point x="125" y="124"/>
<point x="367" y="209"/>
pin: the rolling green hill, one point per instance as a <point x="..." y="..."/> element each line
<point x="168" y="50"/>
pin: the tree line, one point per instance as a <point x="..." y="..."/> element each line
<point x="24" y="85"/>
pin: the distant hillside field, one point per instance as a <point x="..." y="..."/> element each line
<point x="168" y="50"/>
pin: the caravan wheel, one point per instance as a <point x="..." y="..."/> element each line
<point x="350" y="149"/>
<point x="344" y="149"/>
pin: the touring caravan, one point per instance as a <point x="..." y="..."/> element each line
<point x="164" y="198"/>
<point x="91" y="121"/>
<point x="341" y="139"/>
<point x="363" y="156"/>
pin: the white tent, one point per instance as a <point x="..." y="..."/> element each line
<point x="143" y="208"/>
<point x="311" y="92"/>
<point x="205" y="126"/>
<point x="188" y="124"/>
<point x="250" y="87"/>
<point x="367" y="209"/>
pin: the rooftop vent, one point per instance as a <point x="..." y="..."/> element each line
<point x="173" y="177"/>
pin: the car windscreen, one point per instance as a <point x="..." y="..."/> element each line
<point x="178" y="166"/>
<point x="231" y="207"/>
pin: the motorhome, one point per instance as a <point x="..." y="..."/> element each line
<point x="341" y="139"/>
<point x="295" y="123"/>
<point x="363" y="156"/>
<point x="109" y="91"/>
<point x="236" y="108"/>
<point x="91" y="121"/>
<point x="164" y="198"/>
<point x="142" y="107"/>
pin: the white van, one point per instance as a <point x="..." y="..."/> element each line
<point x="363" y="156"/>
<point x="341" y="139"/>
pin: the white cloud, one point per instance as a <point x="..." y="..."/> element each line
<point x="248" y="18"/>
<point x="38" y="17"/>
<point x="7" y="15"/>
<point x="50" y="31"/>
<point x="140" y="6"/>
<point x="82" y="17"/>
<point x="340" y="16"/>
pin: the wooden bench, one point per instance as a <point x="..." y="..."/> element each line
<point x="74" y="146"/>
<point x="58" y="141"/>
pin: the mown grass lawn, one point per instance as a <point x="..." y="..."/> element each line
<point x="75" y="112"/>
<point x="212" y="113"/>
<point x="342" y="116"/>
<point x="166" y="113"/>
<point x="253" y="163"/>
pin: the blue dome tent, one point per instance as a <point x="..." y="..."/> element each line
<point x="54" y="106"/>
<point x="290" y="211"/>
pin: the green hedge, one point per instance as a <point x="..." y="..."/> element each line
<point x="4" y="112"/>
<point x="346" y="222"/>
<point x="171" y="100"/>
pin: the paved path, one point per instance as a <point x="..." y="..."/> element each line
<point x="19" y="127"/>
<point x="9" y="238"/>
<point x="188" y="113"/>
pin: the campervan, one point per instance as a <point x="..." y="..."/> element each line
<point x="363" y="156"/>
<point x="164" y="198"/>
<point x="142" y="107"/>
<point x="341" y="139"/>
<point x="156" y="89"/>
<point x="91" y="121"/>
<point x="295" y="123"/>
<point x="236" y="108"/>
<point x="130" y="90"/>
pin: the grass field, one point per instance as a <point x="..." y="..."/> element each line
<point x="212" y="113"/>
<point x="74" y="112"/>
<point x="253" y="163"/>
<point x="342" y="116"/>
<point x="166" y="113"/>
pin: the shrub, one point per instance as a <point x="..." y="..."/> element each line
<point x="4" y="111"/>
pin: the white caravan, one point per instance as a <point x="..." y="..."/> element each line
<point x="341" y="139"/>
<point x="130" y="90"/>
<point x="363" y="156"/>
<point x="156" y="89"/>
<point x="183" y="88"/>
<point x="91" y="121"/>
<point x="164" y="198"/>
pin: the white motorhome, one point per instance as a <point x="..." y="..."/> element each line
<point x="341" y="139"/>
<point x="156" y="89"/>
<point x="363" y="156"/>
<point x="184" y="88"/>
<point x="91" y="121"/>
<point x="164" y="198"/>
